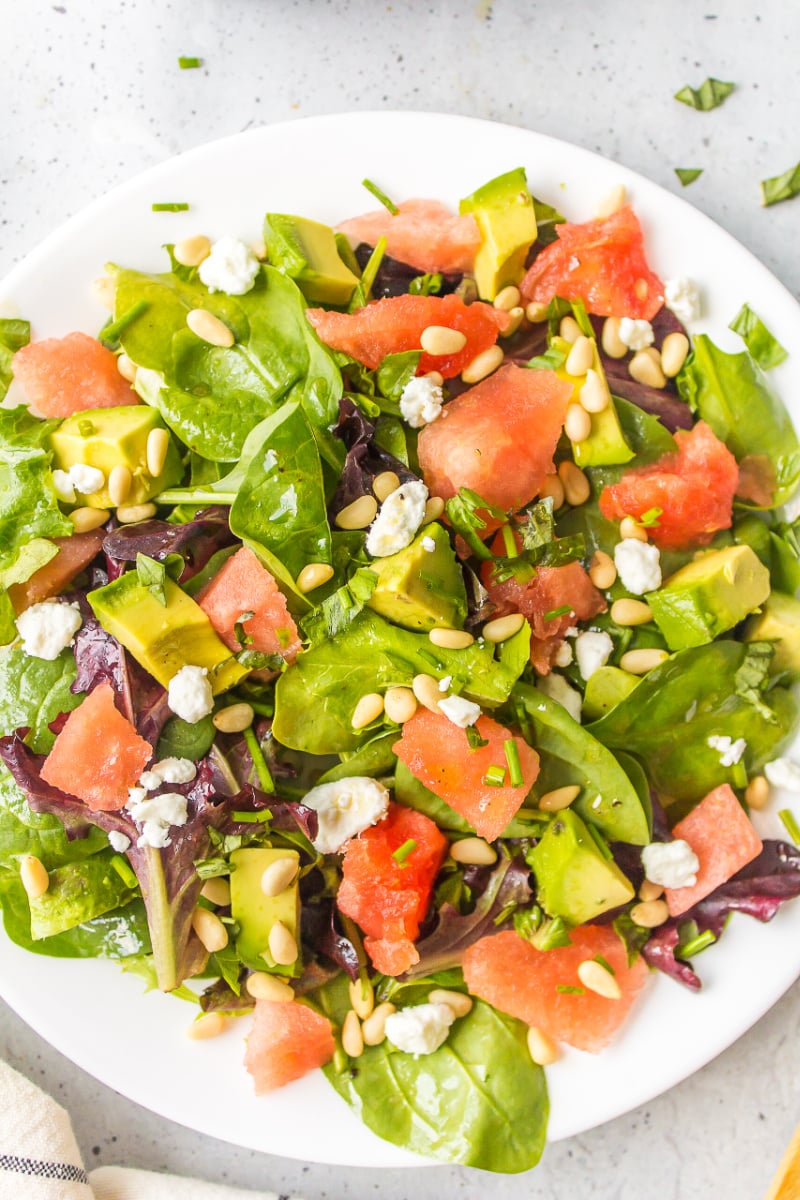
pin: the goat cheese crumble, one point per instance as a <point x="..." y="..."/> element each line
<point x="48" y="628"/>
<point x="155" y="815"/>
<point x="638" y="566"/>
<point x="189" y="694"/>
<point x="399" y="518"/>
<point x="593" y="649"/>
<point x="783" y="773"/>
<point x="556" y="687"/>
<point x="672" y="864"/>
<point x="231" y="267"/>
<point x="421" y="401"/>
<point x="682" y="298"/>
<point x="460" y="711"/>
<point x="420" y="1029"/>
<point x="344" y="809"/>
<point x="730" y="751"/>
<point x="118" y="841"/>
<point x="168" y="770"/>
<point x="636" y="334"/>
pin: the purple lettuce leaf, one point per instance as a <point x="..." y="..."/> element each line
<point x="659" y="952"/>
<point x="220" y="997"/>
<point x="394" y="276"/>
<point x="320" y="932"/>
<point x="196" y="541"/>
<point x="364" y="460"/>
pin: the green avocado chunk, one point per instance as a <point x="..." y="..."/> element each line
<point x="503" y="210"/>
<point x="422" y="586"/>
<point x="255" y="913"/>
<point x="709" y="596"/>
<point x="306" y="251"/>
<point x="606" y="444"/>
<point x="574" y="878"/>
<point x="605" y="688"/>
<point x="779" y="623"/>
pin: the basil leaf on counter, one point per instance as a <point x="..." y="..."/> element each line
<point x="781" y="187"/>
<point x="688" y="175"/>
<point x="765" y="349"/>
<point x="710" y="94"/>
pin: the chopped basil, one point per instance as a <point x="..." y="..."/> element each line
<point x="710" y="94"/>
<point x="476" y="742"/>
<point x="426" y="285"/>
<point x="649" y="519"/>
<point x="781" y="187"/>
<point x="381" y="196"/>
<point x="152" y="575"/>
<point x="688" y="175"/>
<point x="764" y="348"/>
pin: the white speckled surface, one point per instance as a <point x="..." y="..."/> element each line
<point x="91" y="94"/>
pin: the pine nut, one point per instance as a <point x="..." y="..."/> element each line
<point x="483" y="364"/>
<point x="516" y="317"/>
<point x="612" y="343"/>
<point x="576" y="485"/>
<point x="210" y="930"/>
<point x="259" y="248"/>
<point x="577" y="424"/>
<point x="209" y="328"/>
<point x="639" y="662"/>
<point x="282" y="945"/>
<point x="84" y="519"/>
<point x="451" y="639"/>
<point x="457" y="1002"/>
<point x="426" y="690"/>
<point x="434" y="507"/>
<point x="602" y="571"/>
<point x="597" y="979"/>
<point x="650" y="913"/>
<point x="559" y="798"/>
<point x="440" y="340"/>
<point x="541" y="1048"/>
<point x="358" y="515"/>
<point x="594" y="394"/>
<point x="384" y="484"/>
<point x="217" y="891"/>
<point x="610" y="203"/>
<point x="629" y="527"/>
<point x="650" y="891"/>
<point x="156" y="453"/>
<point x="362" y="997"/>
<point x="33" y="876"/>
<point x="674" y="350"/>
<point x="278" y="876"/>
<point x="644" y="369"/>
<point x="536" y="312"/>
<point x="507" y="298"/>
<point x="368" y="709"/>
<point x="757" y="792"/>
<point x="210" y="1025"/>
<point x="554" y="488"/>
<point x="580" y="357"/>
<point x="373" y="1030"/>
<point x="131" y="513"/>
<point x="569" y="329"/>
<point x="502" y="628"/>
<point x="234" y="718"/>
<point x="126" y="367"/>
<point x="631" y="612"/>
<point x="436" y="378"/>
<point x="473" y="852"/>
<point x="313" y="575"/>
<point x="352" y="1037"/>
<point x="104" y="290"/>
<point x="263" y="986"/>
<point x="191" y="251"/>
<point x="399" y="704"/>
<point x="120" y="482"/>
<point x="640" y="289"/>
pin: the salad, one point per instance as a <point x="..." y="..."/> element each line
<point x="400" y="624"/>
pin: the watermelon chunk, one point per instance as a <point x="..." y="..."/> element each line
<point x="243" y="585"/>
<point x="62" y="376"/>
<point x="724" y="840"/>
<point x="422" y="233"/>
<point x="285" y="1043"/>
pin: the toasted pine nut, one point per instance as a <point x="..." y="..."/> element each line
<point x="209" y="1025"/>
<point x="451" y="639"/>
<point x="554" y="488"/>
<point x="33" y="876"/>
<point x="282" y="945"/>
<point x="191" y="251"/>
<point x="426" y="690"/>
<point x="674" y="350"/>
<point x="129" y="514"/>
<point x="156" y="453"/>
<point x="278" y="876"/>
<point x="434" y="507"/>
<point x="209" y="929"/>
<point x="259" y="248"/>
<point x="217" y="891"/>
<point x="541" y="1048"/>
<point x="458" y="1002"/>
<point x="399" y="704"/>
<point x="84" y="519"/>
<point x="440" y="340"/>
<point x="263" y="986"/>
<point x="384" y="484"/>
<point x="611" y="341"/>
<point x="368" y="709"/>
<point x="502" y="628"/>
<point x="594" y="394"/>
<point x="650" y="913"/>
<point x="757" y="792"/>
<point x="362" y="997"/>
<point x="597" y="979"/>
<point x="473" y="852"/>
<point x="352" y="1037"/>
<point x="507" y="298"/>
<point x="536" y="312"/>
<point x="569" y="329"/>
<point x="516" y="316"/>
<point x="126" y="367"/>
<point x="640" y="289"/>
<point x="373" y="1030"/>
<point x="483" y="364"/>
<point x="630" y="528"/>
<point x="313" y="575"/>
<point x="610" y="203"/>
<point x="358" y="515"/>
<point x="577" y="424"/>
<point x="436" y="378"/>
<point x="576" y="485"/>
<point x="645" y="369"/>
<point x="639" y="662"/>
<point x="631" y="612"/>
<point x="209" y="328"/>
<point x="602" y="571"/>
<point x="650" y="891"/>
<point x="104" y="290"/>
<point x="559" y="798"/>
<point x="120" y="482"/>
<point x="580" y="357"/>
<point x="234" y="718"/>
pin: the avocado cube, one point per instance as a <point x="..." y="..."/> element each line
<point x="605" y="689"/>
<point x="306" y="251"/>
<point x="255" y="913"/>
<point x="606" y="445"/>
<point x="503" y="210"/>
<point x="574" y="878"/>
<point x="779" y="623"/>
<point x="709" y="596"/>
<point x="422" y="586"/>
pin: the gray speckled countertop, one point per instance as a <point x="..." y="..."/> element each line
<point x="91" y="94"/>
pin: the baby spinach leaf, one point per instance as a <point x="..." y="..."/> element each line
<point x="13" y="335"/>
<point x="115" y="934"/>
<point x="78" y="892"/>
<point x="781" y="187"/>
<point x="710" y="94"/>
<point x="28" y="501"/>
<point x="765" y="349"/>
<point x="22" y="831"/>
<point x="33" y="692"/>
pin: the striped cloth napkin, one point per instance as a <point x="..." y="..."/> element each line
<point x="40" y="1160"/>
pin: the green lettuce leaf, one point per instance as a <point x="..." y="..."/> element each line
<point x="13" y="335"/>
<point x="28" y="502"/>
<point x="764" y="348"/>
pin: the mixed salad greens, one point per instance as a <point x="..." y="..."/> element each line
<point x="398" y="628"/>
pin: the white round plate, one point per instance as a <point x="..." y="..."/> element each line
<point x="91" y="1011"/>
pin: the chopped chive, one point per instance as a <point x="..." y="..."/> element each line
<point x="253" y="818"/>
<point x="557" y="612"/>
<point x="369" y="274"/>
<point x="381" y="196"/>
<point x="263" y="710"/>
<point x="124" y="870"/>
<point x="696" y="944"/>
<point x="402" y="852"/>
<point x="509" y="542"/>
<point x="599" y="841"/>
<point x="739" y="775"/>
<point x="109" y="335"/>
<point x="512" y="758"/>
<point x="649" y="519"/>
<point x="170" y="206"/>
<point x="259" y="762"/>
<point x="605" y="964"/>
<point x="566" y="990"/>
<point x="688" y="175"/>
<point x="188" y="62"/>
<point x="495" y="776"/>
<point x="790" y="824"/>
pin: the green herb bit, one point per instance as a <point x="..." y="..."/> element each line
<point x="262" y="708"/>
<point x="170" y="206"/>
<point x="790" y="824"/>
<point x="763" y="347"/>
<point x="426" y="285"/>
<point x="243" y="639"/>
<point x="506" y="912"/>
<point x="605" y="964"/>
<point x="361" y="293"/>
<point x="109" y="335"/>
<point x="262" y="817"/>
<point x="512" y="758"/>
<point x="495" y="776"/>
<point x="476" y="742"/>
<point x="188" y="62"/>
<point x="402" y="852"/>
<point x="265" y="779"/>
<point x="649" y="519"/>
<point x="566" y="990"/>
<point x="688" y="175"/>
<point x="124" y="870"/>
<point x="781" y="187"/>
<point x="553" y="613"/>
<point x="509" y="541"/>
<point x="381" y="196"/>
<point x="152" y="575"/>
<point x="551" y="360"/>
<point x="710" y="94"/>
<point x="212" y="868"/>
<point x="696" y="944"/>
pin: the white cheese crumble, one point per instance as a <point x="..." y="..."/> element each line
<point x="118" y="841"/>
<point x="444" y="683"/>
<point x="346" y="808"/>
<point x="230" y="267"/>
<point x="556" y="687"/>
<point x="428" y="544"/>
<point x="460" y="711"/>
<point x="730" y="751"/>
<point x="400" y="516"/>
<point x="189" y="694"/>
<point x="420" y="1029"/>
<point x="672" y="864"/>
<point x="421" y="401"/>
<point x="682" y="297"/>
<point x="155" y="815"/>
<point x="636" y="334"/>
<point x="783" y="773"/>
<point x="48" y="628"/>
<point x="638" y="566"/>
<point x="564" y="655"/>
<point x="86" y="480"/>
<point x="168" y="770"/>
<point x="592" y="650"/>
<point x="64" y="486"/>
